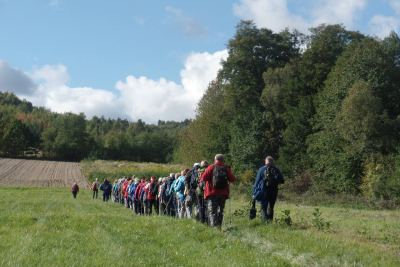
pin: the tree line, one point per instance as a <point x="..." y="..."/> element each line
<point x="25" y="129"/>
<point x="325" y="105"/>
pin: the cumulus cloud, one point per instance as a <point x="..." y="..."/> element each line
<point x="275" y="15"/>
<point x="15" y="80"/>
<point x="381" y="26"/>
<point x="395" y="4"/>
<point x="140" y="98"/>
<point x="161" y="99"/>
<point x="185" y="24"/>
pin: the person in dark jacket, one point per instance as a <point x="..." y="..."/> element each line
<point x="190" y="182"/>
<point x="200" y="208"/>
<point x="271" y="188"/>
<point x="166" y="198"/>
<point x="215" y="194"/>
<point x="106" y="187"/>
<point x="75" y="189"/>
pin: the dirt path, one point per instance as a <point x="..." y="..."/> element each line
<point x="39" y="173"/>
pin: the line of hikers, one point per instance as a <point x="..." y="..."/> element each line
<point x="203" y="189"/>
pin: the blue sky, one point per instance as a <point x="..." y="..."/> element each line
<point x="146" y="59"/>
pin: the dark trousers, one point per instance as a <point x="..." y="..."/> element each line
<point x="150" y="204"/>
<point x="74" y="193"/>
<point x="170" y="207"/>
<point x="105" y="197"/>
<point x="267" y="206"/>
<point x="215" y="206"/>
<point x="95" y="192"/>
<point x="157" y="206"/>
<point x="200" y="209"/>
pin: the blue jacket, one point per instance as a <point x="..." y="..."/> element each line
<point x="261" y="176"/>
<point x="180" y="188"/>
<point x="172" y="187"/>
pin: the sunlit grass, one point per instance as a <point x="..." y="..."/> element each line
<point x="47" y="227"/>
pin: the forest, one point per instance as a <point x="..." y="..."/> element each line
<point x="325" y="105"/>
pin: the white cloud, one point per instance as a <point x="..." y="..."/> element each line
<point x="395" y="4"/>
<point x="15" y="80"/>
<point x="381" y="26"/>
<point x="275" y="15"/>
<point x="272" y="14"/>
<point x="141" y="98"/>
<point x="151" y="100"/>
<point x="185" y="24"/>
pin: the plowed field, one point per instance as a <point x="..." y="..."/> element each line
<point x="38" y="173"/>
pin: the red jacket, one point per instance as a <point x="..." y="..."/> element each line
<point x="147" y="189"/>
<point x="138" y="190"/>
<point x="207" y="177"/>
<point x="77" y="188"/>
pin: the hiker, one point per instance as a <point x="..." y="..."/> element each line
<point x="120" y="195"/>
<point x="75" y="189"/>
<point x="200" y="208"/>
<point x="115" y="191"/>
<point x="136" y="206"/>
<point x="216" y="192"/>
<point x="95" y="187"/>
<point x="172" y="194"/>
<point x="157" y="192"/>
<point x="166" y="197"/>
<point x="106" y="187"/>
<point x="143" y="197"/>
<point x="124" y="193"/>
<point x="160" y="196"/>
<point x="190" y="182"/>
<point x="179" y="189"/>
<point x="137" y="195"/>
<point x="151" y="190"/>
<point x="270" y="176"/>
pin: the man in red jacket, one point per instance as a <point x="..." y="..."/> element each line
<point x="217" y="178"/>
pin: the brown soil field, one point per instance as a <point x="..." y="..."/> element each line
<point x="39" y="173"/>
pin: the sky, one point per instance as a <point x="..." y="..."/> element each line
<point x="149" y="60"/>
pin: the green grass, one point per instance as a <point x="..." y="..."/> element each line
<point x="47" y="227"/>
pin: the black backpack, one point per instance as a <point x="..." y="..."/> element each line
<point x="271" y="178"/>
<point x="153" y="189"/>
<point x="194" y="179"/>
<point x="220" y="177"/>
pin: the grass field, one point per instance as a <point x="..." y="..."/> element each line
<point x="47" y="227"/>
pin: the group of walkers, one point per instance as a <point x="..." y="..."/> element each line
<point x="200" y="192"/>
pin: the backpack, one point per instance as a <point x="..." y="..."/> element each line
<point x="220" y="177"/>
<point x="169" y="183"/>
<point x="153" y="189"/>
<point x="93" y="187"/>
<point x="75" y="187"/>
<point x="271" y="177"/>
<point x="193" y="179"/>
<point x="106" y="187"/>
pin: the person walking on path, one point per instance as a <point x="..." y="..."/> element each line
<point x="96" y="186"/>
<point x="106" y="187"/>
<point x="217" y="178"/>
<point x="271" y="177"/>
<point x="75" y="189"/>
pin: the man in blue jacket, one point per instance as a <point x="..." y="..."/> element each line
<point x="270" y="176"/>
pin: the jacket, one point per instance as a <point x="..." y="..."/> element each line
<point x="77" y="188"/>
<point x="179" y="188"/>
<point x="139" y="190"/>
<point x="106" y="187"/>
<point x="261" y="176"/>
<point x="147" y="189"/>
<point x="207" y="177"/>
